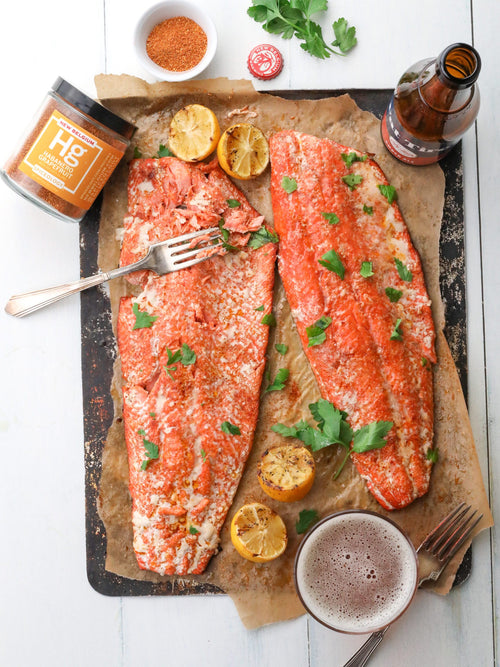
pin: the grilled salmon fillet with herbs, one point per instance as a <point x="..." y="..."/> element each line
<point x="192" y="347"/>
<point x="356" y="289"/>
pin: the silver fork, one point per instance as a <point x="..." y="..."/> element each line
<point x="434" y="553"/>
<point x="165" y="257"/>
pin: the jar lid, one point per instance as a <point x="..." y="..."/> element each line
<point x="93" y="108"/>
<point x="265" y="61"/>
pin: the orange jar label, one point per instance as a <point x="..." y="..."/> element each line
<point x="70" y="161"/>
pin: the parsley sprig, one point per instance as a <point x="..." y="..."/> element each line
<point x="185" y="355"/>
<point x="152" y="451"/>
<point x="333" y="428"/>
<point x="292" y="18"/>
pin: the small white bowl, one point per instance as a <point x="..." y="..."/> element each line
<point x="168" y="10"/>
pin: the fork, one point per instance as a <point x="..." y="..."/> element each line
<point x="165" y="257"/>
<point x="435" y="552"/>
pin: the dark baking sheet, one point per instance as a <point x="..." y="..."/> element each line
<point x="99" y="353"/>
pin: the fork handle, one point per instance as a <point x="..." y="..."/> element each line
<point x="24" y="304"/>
<point x="362" y="656"/>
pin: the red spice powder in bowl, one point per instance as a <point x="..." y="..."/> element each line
<point x="175" y="41"/>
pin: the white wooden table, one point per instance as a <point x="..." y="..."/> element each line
<point x="49" y="613"/>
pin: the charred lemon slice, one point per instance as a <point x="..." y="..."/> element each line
<point x="286" y="473"/>
<point x="258" y="533"/>
<point x="243" y="151"/>
<point x="194" y="133"/>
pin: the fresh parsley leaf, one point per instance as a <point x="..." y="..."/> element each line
<point x="203" y="455"/>
<point x="432" y="455"/>
<point x="403" y="271"/>
<point x="143" y="320"/>
<point x="152" y="415"/>
<point x="223" y="230"/>
<point x="316" y="332"/>
<point x="279" y="380"/>
<point x="233" y="203"/>
<point x="137" y="153"/>
<point x="350" y="158"/>
<point x="424" y="362"/>
<point x="393" y="294"/>
<point x="332" y="218"/>
<point x="193" y="530"/>
<point x="288" y="184"/>
<point x="333" y="428"/>
<point x="367" y="209"/>
<point x="173" y="357"/>
<point x="396" y="332"/>
<point x="188" y="357"/>
<point x="281" y="348"/>
<point x="152" y="450"/>
<point x="230" y="429"/>
<point x="292" y="18"/>
<point x="331" y="261"/>
<point x="164" y="151"/>
<point x="345" y="38"/>
<point x="352" y="181"/>
<point x="262" y="236"/>
<point x="307" y="518"/>
<point x="389" y="192"/>
<point x="260" y="308"/>
<point x="268" y="319"/>
<point x="366" y="269"/>
<point x="371" y="436"/>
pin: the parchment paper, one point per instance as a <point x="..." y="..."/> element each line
<point x="264" y="593"/>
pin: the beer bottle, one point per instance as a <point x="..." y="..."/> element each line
<point x="435" y="102"/>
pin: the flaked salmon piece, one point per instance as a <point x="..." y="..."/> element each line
<point x="184" y="467"/>
<point x="375" y="363"/>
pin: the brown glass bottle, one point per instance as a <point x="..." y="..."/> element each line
<point x="435" y="102"/>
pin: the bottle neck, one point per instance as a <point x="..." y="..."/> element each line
<point x="452" y="85"/>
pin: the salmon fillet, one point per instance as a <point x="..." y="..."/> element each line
<point x="375" y="363"/>
<point x="184" y="466"/>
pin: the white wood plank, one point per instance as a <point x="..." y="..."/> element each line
<point x="206" y="631"/>
<point x="49" y="614"/>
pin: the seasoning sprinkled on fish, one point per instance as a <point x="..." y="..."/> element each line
<point x="345" y="255"/>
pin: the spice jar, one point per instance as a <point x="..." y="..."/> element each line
<point x="68" y="154"/>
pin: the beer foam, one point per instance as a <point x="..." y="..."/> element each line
<point x="356" y="572"/>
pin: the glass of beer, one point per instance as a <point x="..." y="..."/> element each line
<point x="356" y="571"/>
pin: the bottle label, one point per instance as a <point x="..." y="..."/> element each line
<point x="406" y="147"/>
<point x="69" y="161"/>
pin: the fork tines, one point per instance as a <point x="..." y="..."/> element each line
<point x="199" y="236"/>
<point x="447" y="538"/>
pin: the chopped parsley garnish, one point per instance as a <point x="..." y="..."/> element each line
<point x="352" y="181"/>
<point x="332" y="218"/>
<point x="152" y="415"/>
<point x="366" y="269"/>
<point x="230" y="429"/>
<point x="193" y="530"/>
<point x="262" y="236"/>
<point x="424" y="361"/>
<point x="393" y="294"/>
<point x="367" y="209"/>
<point x="225" y="236"/>
<point x="279" y="380"/>
<point x="185" y="355"/>
<point x="163" y="151"/>
<point x="281" y="348"/>
<point x="331" y="261"/>
<point x="349" y="158"/>
<point x="137" y="153"/>
<point x="288" y="184"/>
<point x="396" y="332"/>
<point x="333" y="428"/>
<point x="316" y="332"/>
<point x="203" y="455"/>
<point x="307" y="518"/>
<point x="233" y="203"/>
<point x="268" y="319"/>
<point x="389" y="192"/>
<point x="152" y="450"/>
<point x="432" y="455"/>
<point x="403" y="271"/>
<point x="260" y="308"/>
<point x="143" y="320"/>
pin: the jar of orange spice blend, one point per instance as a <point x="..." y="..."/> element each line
<point x="68" y="153"/>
